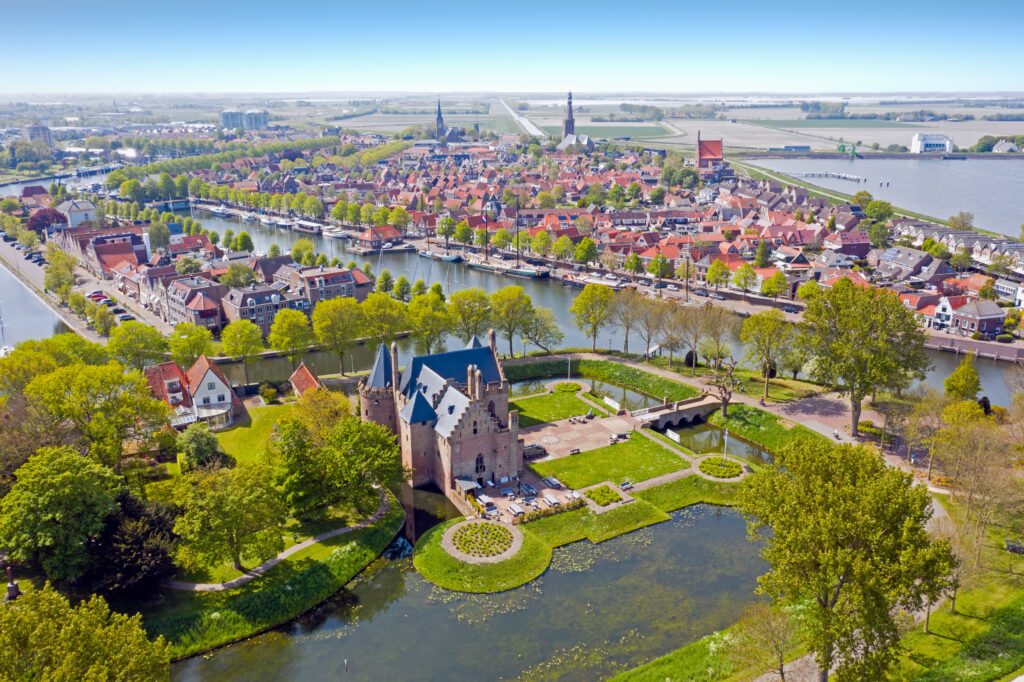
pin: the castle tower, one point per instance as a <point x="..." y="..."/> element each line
<point x="439" y="125"/>
<point x="569" y="124"/>
<point x="376" y="391"/>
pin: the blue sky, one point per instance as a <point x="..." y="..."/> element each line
<point x="664" y="46"/>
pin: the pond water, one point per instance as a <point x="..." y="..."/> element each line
<point x="706" y="438"/>
<point x="599" y="609"/>
<point x="628" y="398"/>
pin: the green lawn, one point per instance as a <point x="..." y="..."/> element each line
<point x="605" y="370"/>
<point x="635" y="460"/>
<point x="760" y="427"/>
<point x="248" y="441"/>
<point x="441" y="568"/>
<point x="583" y="524"/>
<point x="550" y="407"/>
<point x="780" y="389"/>
<point x="675" y="495"/>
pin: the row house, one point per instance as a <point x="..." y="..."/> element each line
<point x="853" y="243"/>
<point x="967" y="316"/>
<point x="259" y="304"/>
<point x="321" y="283"/>
<point x="197" y="300"/>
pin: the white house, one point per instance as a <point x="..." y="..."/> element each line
<point x="78" y="211"/>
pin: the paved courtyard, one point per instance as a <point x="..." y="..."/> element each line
<point x="559" y="437"/>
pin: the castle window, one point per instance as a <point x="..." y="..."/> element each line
<point x="474" y="428"/>
<point x="490" y="408"/>
<point x="480" y="464"/>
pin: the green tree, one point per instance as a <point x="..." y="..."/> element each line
<point x="862" y="340"/>
<point x="300" y="248"/>
<point x="808" y="290"/>
<point x="131" y="190"/>
<point x="863" y="198"/>
<point x="200" y="447"/>
<point x="366" y="214"/>
<point x="767" y="337"/>
<point x="58" y="504"/>
<point x="402" y="288"/>
<point x="463" y="232"/>
<point x="243" y="242"/>
<point x="230" y="514"/>
<point x="291" y="334"/>
<point x="471" y="313"/>
<point x="400" y="219"/>
<point x="48" y="639"/>
<point x="188" y="341"/>
<point x="546" y="200"/>
<point x="658" y="195"/>
<point x="103" y="320"/>
<point x="961" y="260"/>
<point x="542" y="329"/>
<point x="381" y="216"/>
<point x="159" y="236"/>
<point x="563" y="248"/>
<point x="879" y="235"/>
<point x="243" y="340"/>
<point x="419" y="287"/>
<point x="238" y="275"/>
<point x="962" y="221"/>
<point x="745" y="278"/>
<point x="188" y="265"/>
<point x="511" y="309"/>
<point x="963" y="383"/>
<point x="385" y="317"/>
<point x="136" y="345"/>
<point x="763" y="258"/>
<point x="659" y="266"/>
<point x="634" y="264"/>
<point x="337" y="323"/>
<point x="385" y="283"/>
<point x="429" y="319"/>
<point x="586" y="251"/>
<point x="879" y="211"/>
<point x="541" y="243"/>
<point x="845" y="535"/>
<point x="591" y="310"/>
<point x="775" y="286"/>
<point x="502" y="238"/>
<point x="446" y="229"/>
<point x="718" y="274"/>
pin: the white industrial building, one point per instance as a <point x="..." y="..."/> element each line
<point x="931" y="143"/>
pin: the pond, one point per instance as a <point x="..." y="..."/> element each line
<point x="706" y="438"/>
<point x="598" y="610"/>
<point x="628" y="398"/>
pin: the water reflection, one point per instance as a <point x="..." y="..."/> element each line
<point x="706" y="438"/>
<point x="598" y="610"/>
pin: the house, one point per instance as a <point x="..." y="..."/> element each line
<point x="1004" y="147"/>
<point x="377" y="236"/>
<point x="898" y="263"/>
<point x="450" y="413"/>
<point x="321" y="283"/>
<point x="259" y="304"/>
<point x="304" y="379"/>
<point x="853" y="243"/>
<point x="966" y="316"/>
<point x="195" y="299"/>
<point x="202" y="394"/>
<point x="78" y="211"/>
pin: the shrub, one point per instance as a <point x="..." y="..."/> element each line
<point x="1004" y="338"/>
<point x="551" y="511"/>
<point x="976" y="336"/>
<point x="482" y="539"/>
<point x="567" y="387"/>
<point x="269" y="394"/>
<point x="603" y="495"/>
<point x="868" y="427"/>
<point x="720" y="467"/>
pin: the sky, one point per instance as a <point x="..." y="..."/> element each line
<point x="674" y="46"/>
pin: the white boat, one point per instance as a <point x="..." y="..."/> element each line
<point x="249" y="218"/>
<point x="333" y="233"/>
<point x="266" y="220"/>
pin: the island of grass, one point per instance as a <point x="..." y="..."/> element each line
<point x="444" y="570"/>
<point x="551" y="407"/>
<point x="636" y="459"/>
<point x="603" y="495"/>
<point x="762" y="428"/>
<point x="720" y="467"/>
<point x="604" y="370"/>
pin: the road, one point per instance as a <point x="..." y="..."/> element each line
<point x="524" y="122"/>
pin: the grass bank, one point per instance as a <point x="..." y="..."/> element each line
<point x="637" y="459"/>
<point x="762" y="428"/>
<point x="444" y="570"/>
<point x="751" y="383"/>
<point x="550" y="408"/>
<point x="617" y="373"/>
<point x="194" y="622"/>
<point x="583" y="524"/>
<point x="669" y="497"/>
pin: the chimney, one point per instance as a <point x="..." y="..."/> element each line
<point x="492" y="340"/>
<point x="470" y="386"/>
<point x="479" y="384"/>
<point x="394" y="365"/>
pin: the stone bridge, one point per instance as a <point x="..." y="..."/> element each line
<point x="680" y="413"/>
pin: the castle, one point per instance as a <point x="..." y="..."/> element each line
<point x="450" y="414"/>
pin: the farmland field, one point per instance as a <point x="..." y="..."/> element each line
<point x="833" y="123"/>
<point x="612" y="130"/>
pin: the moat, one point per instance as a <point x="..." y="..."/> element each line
<point x="598" y="610"/>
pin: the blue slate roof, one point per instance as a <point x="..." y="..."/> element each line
<point x="451" y="365"/>
<point x="380" y="373"/>
<point x="449" y="410"/>
<point x="417" y="410"/>
<point x="474" y="343"/>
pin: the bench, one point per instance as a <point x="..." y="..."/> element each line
<point x="574" y="451"/>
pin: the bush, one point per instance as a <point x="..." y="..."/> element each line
<point x="976" y="336"/>
<point x="551" y="511"/>
<point x="268" y="392"/>
<point x="568" y="387"/>
<point x="1004" y="338"/>
<point x="603" y="495"/>
<point x="482" y="539"/>
<point x="720" y="467"/>
<point x="868" y="427"/>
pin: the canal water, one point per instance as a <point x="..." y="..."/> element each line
<point x="705" y="439"/>
<point x="22" y="315"/>
<point x="599" y="609"/>
<point x="988" y="188"/>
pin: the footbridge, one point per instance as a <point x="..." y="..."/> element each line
<point x="680" y="413"/>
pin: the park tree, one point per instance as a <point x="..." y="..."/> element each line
<point x="767" y="336"/>
<point x="650" y="320"/>
<point x="238" y="275"/>
<point x="402" y="288"/>
<point x="775" y="285"/>
<point x="542" y="329"/>
<point x="131" y="190"/>
<point x="446" y="229"/>
<point x="419" y="287"/>
<point x="860" y="340"/>
<point x="320" y="409"/>
<point x="429" y="319"/>
<point x="511" y="309"/>
<point x="230" y="514"/>
<point x="963" y="383"/>
<point x="385" y="282"/>
<point x="200" y="447"/>
<point x="97" y="408"/>
<point x="103" y="320"/>
<point x="385" y="317"/>
<point x="46" y="638"/>
<point x="502" y="238"/>
<point x="591" y="310"/>
<point x="763" y="258"/>
<point x="136" y="345"/>
<point x="188" y="265"/>
<point x="242" y="340"/>
<point x="586" y="251"/>
<point x="745" y="278"/>
<point x="337" y="323"/>
<point x="541" y="243"/>
<point x="845" y="536"/>
<point x="563" y="248"/>
<point x="691" y="327"/>
<point x="188" y="342"/>
<point x="623" y="313"/>
<point x="471" y="313"/>
<point x="159" y="236"/>
<point x="291" y="334"/>
<point x="58" y="504"/>
<point x="717" y="274"/>
<point x="763" y="638"/>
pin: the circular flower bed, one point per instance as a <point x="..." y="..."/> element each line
<point x="568" y="387"/>
<point x="720" y="467"/>
<point x="603" y="495"/>
<point x="482" y="539"/>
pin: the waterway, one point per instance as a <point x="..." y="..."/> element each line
<point x="988" y="188"/>
<point x="705" y="439"/>
<point x="22" y="315"/>
<point x="597" y="610"/>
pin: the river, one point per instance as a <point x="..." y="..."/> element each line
<point x="597" y="610"/>
<point x="22" y="314"/>
<point x="988" y="188"/>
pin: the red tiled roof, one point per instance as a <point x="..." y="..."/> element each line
<point x="157" y="377"/>
<point x="303" y="380"/>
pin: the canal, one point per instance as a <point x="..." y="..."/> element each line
<point x="597" y="610"/>
<point x="23" y="315"/>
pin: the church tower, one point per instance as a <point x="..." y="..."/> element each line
<point x="439" y="133"/>
<point x="568" y="125"/>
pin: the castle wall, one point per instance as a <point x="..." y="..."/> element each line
<point x="491" y="443"/>
<point x="378" y="406"/>
<point x="419" y="453"/>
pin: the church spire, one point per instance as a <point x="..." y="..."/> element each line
<point x="440" y="122"/>
<point x="569" y="124"/>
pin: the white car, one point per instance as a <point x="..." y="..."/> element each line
<point x="610" y="277"/>
<point x="672" y="287"/>
<point x="388" y="245"/>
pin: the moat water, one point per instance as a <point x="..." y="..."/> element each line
<point x="598" y="610"/>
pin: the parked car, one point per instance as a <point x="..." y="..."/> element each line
<point x="701" y="292"/>
<point x="126" y="317"/>
<point x="717" y="296"/>
<point x="790" y="309"/>
<point x="533" y="451"/>
<point x="1014" y="546"/>
<point x="94" y="292"/>
<point x="645" y="282"/>
<point x="6" y="237"/>
<point x="672" y="287"/>
<point x="107" y="302"/>
<point x="611" y="278"/>
<point x="117" y="310"/>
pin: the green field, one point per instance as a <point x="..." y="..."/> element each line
<point x="611" y="130"/>
<point x="583" y="524"/>
<point x="635" y="460"/>
<point x="550" y="408"/>
<point x="833" y="123"/>
<point x="762" y="428"/>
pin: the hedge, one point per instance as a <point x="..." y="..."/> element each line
<point x="614" y="372"/>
